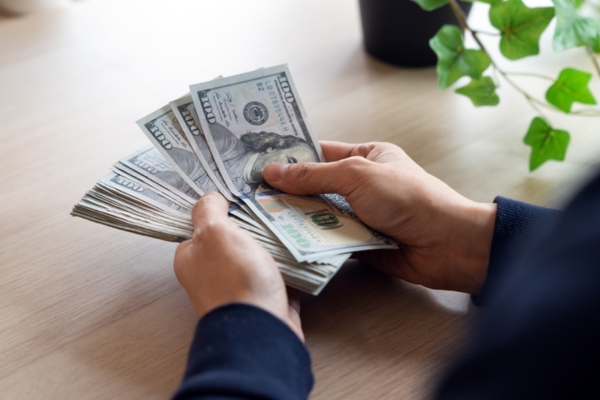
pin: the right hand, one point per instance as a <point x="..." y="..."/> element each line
<point x="445" y="238"/>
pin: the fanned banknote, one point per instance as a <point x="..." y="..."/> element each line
<point x="166" y="134"/>
<point x="185" y="112"/>
<point x="256" y="119"/>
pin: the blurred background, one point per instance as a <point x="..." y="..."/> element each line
<point x="92" y="312"/>
<point x="117" y="60"/>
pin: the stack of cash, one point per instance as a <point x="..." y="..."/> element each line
<point x="219" y="137"/>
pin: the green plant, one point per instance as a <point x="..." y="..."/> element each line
<point x="519" y="28"/>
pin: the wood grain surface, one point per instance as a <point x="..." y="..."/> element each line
<point x="89" y="312"/>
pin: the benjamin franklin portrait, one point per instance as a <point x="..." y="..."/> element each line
<point x="246" y="157"/>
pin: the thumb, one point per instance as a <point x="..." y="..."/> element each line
<point x="313" y="178"/>
<point x="210" y="209"/>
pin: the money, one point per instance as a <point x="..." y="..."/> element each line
<point x="256" y="119"/>
<point x="219" y="137"/>
<point x="150" y="166"/>
<point x="165" y="133"/>
<point x="185" y="112"/>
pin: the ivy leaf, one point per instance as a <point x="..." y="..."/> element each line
<point x="520" y="27"/>
<point x="486" y="1"/>
<point x="429" y="5"/>
<point x="482" y="92"/>
<point x="454" y="61"/>
<point x="577" y="3"/>
<point x="570" y="87"/>
<point x="546" y="143"/>
<point x="573" y="30"/>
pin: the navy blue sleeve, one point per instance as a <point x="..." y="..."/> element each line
<point x="538" y="335"/>
<point x="516" y="225"/>
<point x="243" y="352"/>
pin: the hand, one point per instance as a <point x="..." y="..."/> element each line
<point x="445" y="238"/>
<point x="222" y="264"/>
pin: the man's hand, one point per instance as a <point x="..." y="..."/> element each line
<point x="445" y="238"/>
<point x="222" y="264"/>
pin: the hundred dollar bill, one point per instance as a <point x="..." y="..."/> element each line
<point x="135" y="188"/>
<point x="255" y="119"/>
<point x="186" y="115"/>
<point x="150" y="163"/>
<point x="164" y="131"/>
<point x="122" y="169"/>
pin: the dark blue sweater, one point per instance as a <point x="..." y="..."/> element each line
<point x="538" y="337"/>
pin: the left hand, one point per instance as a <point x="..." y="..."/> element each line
<point x="222" y="264"/>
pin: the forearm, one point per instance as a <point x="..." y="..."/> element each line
<point x="241" y="351"/>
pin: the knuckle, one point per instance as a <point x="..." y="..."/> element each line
<point x="212" y="197"/>
<point x="358" y="171"/>
<point x="205" y="201"/>
<point x="380" y="152"/>
<point x="364" y="149"/>
<point x="213" y="228"/>
<point x="356" y="166"/>
<point x="216" y="225"/>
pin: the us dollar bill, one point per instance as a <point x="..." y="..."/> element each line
<point x="185" y="112"/>
<point x="135" y="188"/>
<point x="256" y="119"/>
<point x="160" y="173"/>
<point x="164" y="131"/>
<point x="151" y="164"/>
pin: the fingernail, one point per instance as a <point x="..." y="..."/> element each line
<point x="274" y="172"/>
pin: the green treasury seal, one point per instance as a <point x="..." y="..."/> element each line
<point x="325" y="220"/>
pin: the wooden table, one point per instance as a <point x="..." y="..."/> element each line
<point x="90" y="312"/>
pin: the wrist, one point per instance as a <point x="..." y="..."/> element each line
<point x="471" y="244"/>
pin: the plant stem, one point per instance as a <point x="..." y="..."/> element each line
<point x="533" y="102"/>
<point x="462" y="20"/>
<point x="586" y="113"/>
<point x="594" y="60"/>
<point x="460" y="15"/>
<point x="485" y="33"/>
<point x="533" y="75"/>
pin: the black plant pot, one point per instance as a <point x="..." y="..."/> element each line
<point x="398" y="31"/>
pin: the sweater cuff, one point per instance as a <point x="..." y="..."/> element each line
<point x="516" y="225"/>
<point x="242" y="351"/>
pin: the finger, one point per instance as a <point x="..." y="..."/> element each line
<point x="335" y="151"/>
<point x="182" y="247"/>
<point x="211" y="207"/>
<point x="294" y="311"/>
<point x="316" y="178"/>
<point x="180" y="253"/>
<point x="293" y="299"/>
